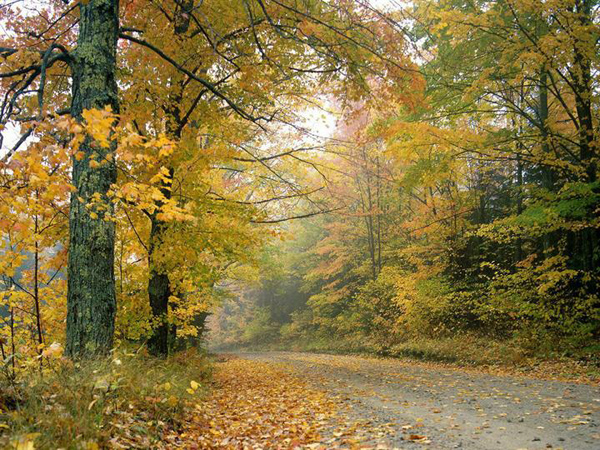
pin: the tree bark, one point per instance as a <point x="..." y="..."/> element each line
<point x="519" y="243"/>
<point x="584" y="94"/>
<point x="159" y="287"/>
<point x="159" y="292"/>
<point x="91" y="300"/>
<point x="549" y="178"/>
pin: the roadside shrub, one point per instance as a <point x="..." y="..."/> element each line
<point x="261" y="329"/>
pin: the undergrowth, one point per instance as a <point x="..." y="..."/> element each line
<point x="126" y="400"/>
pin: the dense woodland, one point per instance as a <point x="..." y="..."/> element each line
<point x="398" y="178"/>
<point x="465" y="213"/>
<point x="162" y="157"/>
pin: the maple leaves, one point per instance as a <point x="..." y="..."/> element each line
<point x="190" y="167"/>
<point x="256" y="404"/>
<point x="98" y="125"/>
<point x="34" y="185"/>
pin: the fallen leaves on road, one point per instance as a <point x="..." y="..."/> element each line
<point x="357" y="403"/>
<point x="568" y="371"/>
<point x="258" y="405"/>
<point x="418" y="438"/>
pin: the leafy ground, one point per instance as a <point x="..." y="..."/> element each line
<point x="268" y="404"/>
<point x="132" y="401"/>
<point x="299" y="400"/>
<point x="257" y="405"/>
<point x="286" y="400"/>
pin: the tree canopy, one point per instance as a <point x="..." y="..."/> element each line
<point x="163" y="160"/>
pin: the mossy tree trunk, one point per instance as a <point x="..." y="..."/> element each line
<point x="91" y="298"/>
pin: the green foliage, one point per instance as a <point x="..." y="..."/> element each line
<point x="261" y="329"/>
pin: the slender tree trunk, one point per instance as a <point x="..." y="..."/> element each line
<point x="584" y="94"/>
<point x="517" y="125"/>
<point x="371" y="228"/>
<point x="379" y="212"/>
<point x="368" y="210"/>
<point x="159" y="287"/>
<point x="519" y="243"/>
<point x="550" y="239"/>
<point x="548" y="175"/>
<point x="36" y="290"/>
<point x="91" y="300"/>
<point x="368" y="218"/>
<point x="12" y="343"/>
<point x="36" y="282"/>
<point x="159" y="292"/>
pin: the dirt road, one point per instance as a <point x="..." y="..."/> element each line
<point x="408" y="406"/>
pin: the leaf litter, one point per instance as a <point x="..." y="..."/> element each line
<point x="256" y="405"/>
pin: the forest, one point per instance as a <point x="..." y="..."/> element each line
<point x="185" y="182"/>
<point x="466" y="216"/>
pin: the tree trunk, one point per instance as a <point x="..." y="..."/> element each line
<point x="584" y="94"/>
<point x="91" y="300"/>
<point x="159" y="292"/>
<point x="549" y="178"/>
<point x="548" y="175"/>
<point x="200" y="323"/>
<point x="519" y="244"/>
<point x="159" y="288"/>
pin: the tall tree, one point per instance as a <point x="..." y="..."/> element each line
<point x="50" y="45"/>
<point x="259" y="63"/>
<point x="254" y="62"/>
<point x="91" y="289"/>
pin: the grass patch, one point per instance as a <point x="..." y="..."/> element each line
<point x="464" y="350"/>
<point x="125" y="400"/>
<point x="461" y="351"/>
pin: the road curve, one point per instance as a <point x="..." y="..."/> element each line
<point x="445" y="408"/>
